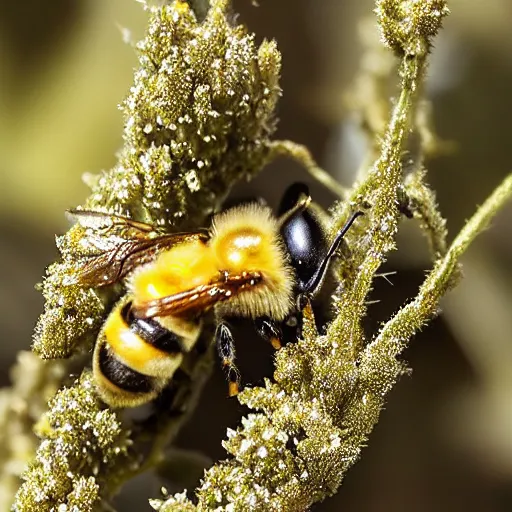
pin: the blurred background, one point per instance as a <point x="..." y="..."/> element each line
<point x="444" y="441"/>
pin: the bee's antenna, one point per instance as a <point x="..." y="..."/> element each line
<point x="317" y="279"/>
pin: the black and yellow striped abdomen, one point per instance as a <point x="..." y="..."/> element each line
<point x="135" y="357"/>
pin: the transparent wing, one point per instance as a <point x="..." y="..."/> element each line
<point x="121" y="244"/>
<point x="104" y="221"/>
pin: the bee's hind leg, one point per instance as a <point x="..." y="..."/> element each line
<point x="226" y="350"/>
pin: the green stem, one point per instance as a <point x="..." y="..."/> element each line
<point x="380" y="190"/>
<point x="302" y="155"/>
<point x="414" y="315"/>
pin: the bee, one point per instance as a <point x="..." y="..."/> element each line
<point x="248" y="263"/>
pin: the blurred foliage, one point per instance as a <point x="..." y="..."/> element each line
<point x="58" y="94"/>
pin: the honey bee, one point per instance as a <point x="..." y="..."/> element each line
<point x="249" y="263"/>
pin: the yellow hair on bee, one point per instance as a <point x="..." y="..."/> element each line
<point x="246" y="238"/>
<point x="136" y="353"/>
<point x="180" y="268"/>
<point x="188" y="329"/>
<point x="115" y="396"/>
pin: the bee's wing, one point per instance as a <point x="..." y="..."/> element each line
<point x="122" y="245"/>
<point x="198" y="299"/>
<point x="109" y="222"/>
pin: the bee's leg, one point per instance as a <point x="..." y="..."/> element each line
<point x="269" y="330"/>
<point x="226" y="349"/>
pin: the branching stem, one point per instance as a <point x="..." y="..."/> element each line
<point x="302" y="155"/>
<point x="414" y="315"/>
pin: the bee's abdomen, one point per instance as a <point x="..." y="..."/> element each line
<point x="142" y="344"/>
<point x="150" y="331"/>
<point x="135" y="357"/>
<point x="122" y="376"/>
